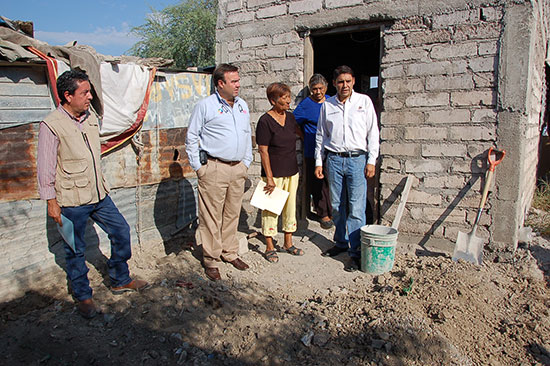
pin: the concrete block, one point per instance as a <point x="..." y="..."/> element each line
<point x="449" y="181"/>
<point x="295" y="50"/>
<point x="483" y="64"/>
<point x="455" y="18"/>
<point x="390" y="164"/>
<point x="429" y="68"/>
<point x="393" y="40"/>
<point x="443" y="150"/>
<point x="459" y="67"/>
<point x="401" y="118"/>
<point x="470" y="98"/>
<point x="484" y="115"/>
<point x="468" y="167"/>
<point x="427" y="100"/>
<point x="492" y="14"/>
<point x="425" y="133"/>
<point x="446" y="82"/>
<point x="256" y="3"/>
<point x="472" y="133"/>
<point x="305" y="6"/>
<point x="448" y="116"/>
<point x="448" y="51"/>
<point x="271" y="12"/>
<point x="387" y="133"/>
<point x="411" y="23"/>
<point x="393" y="103"/>
<point x="396" y="149"/>
<point x="390" y="72"/>
<point x="403" y="86"/>
<point x="239" y="18"/>
<point x="271" y="52"/>
<point x="392" y="179"/>
<point x="240" y="55"/>
<point x="424" y="166"/>
<point x="477" y="31"/>
<point x="487" y="48"/>
<point x="405" y="54"/>
<point x="440" y="214"/>
<point x="281" y="65"/>
<point x="426" y="37"/>
<point x="333" y="4"/>
<point x="234" y="6"/>
<point x="284" y="38"/>
<point x="250" y="67"/>
<point x="233" y="45"/>
<point x="424" y="197"/>
<point x="485" y="80"/>
<point x="255" y="42"/>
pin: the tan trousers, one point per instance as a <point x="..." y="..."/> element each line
<point x="221" y="188"/>
<point x="270" y="220"/>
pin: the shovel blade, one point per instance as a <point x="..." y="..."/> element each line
<point x="469" y="248"/>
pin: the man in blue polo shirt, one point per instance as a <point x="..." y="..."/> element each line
<point x="348" y="132"/>
<point x="219" y="148"/>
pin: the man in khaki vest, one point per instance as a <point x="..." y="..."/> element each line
<point x="70" y="180"/>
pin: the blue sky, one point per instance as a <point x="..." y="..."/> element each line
<point x="102" y="24"/>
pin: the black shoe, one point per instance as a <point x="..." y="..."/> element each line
<point x="334" y="251"/>
<point x="353" y="265"/>
<point x="326" y="224"/>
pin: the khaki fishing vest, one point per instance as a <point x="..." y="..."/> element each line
<point x="78" y="179"/>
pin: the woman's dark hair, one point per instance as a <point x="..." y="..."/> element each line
<point x="68" y="82"/>
<point x="219" y="72"/>
<point x="342" y="70"/>
<point x="276" y="90"/>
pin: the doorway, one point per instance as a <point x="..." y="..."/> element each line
<point x="358" y="47"/>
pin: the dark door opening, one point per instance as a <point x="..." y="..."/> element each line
<point x="359" y="50"/>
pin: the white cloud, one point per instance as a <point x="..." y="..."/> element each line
<point x="100" y="38"/>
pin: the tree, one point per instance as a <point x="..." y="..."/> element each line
<point x="185" y="32"/>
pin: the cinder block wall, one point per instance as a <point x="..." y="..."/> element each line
<point x="457" y="78"/>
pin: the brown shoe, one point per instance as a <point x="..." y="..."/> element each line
<point x="87" y="308"/>
<point x="135" y="285"/>
<point x="239" y="264"/>
<point x="212" y="273"/>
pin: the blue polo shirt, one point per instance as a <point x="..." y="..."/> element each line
<point x="307" y="114"/>
<point x="223" y="131"/>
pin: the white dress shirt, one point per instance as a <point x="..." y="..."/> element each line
<point x="348" y="126"/>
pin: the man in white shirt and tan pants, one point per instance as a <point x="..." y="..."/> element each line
<point x="347" y="132"/>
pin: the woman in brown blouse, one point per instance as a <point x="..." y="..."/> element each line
<point x="276" y="137"/>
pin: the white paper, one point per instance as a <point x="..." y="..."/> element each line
<point x="273" y="202"/>
<point x="67" y="232"/>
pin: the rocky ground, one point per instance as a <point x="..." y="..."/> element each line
<point x="305" y="310"/>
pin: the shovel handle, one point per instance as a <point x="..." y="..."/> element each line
<point x="494" y="161"/>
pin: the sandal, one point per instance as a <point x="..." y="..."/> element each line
<point x="294" y="251"/>
<point x="271" y="256"/>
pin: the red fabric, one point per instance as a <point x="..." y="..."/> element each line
<point x="51" y="64"/>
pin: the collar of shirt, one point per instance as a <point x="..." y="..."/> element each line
<point x="77" y="120"/>
<point x="225" y="103"/>
<point x="347" y="100"/>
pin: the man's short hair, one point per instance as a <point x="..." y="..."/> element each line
<point x="317" y="79"/>
<point x="68" y="82"/>
<point x="276" y="90"/>
<point x="219" y="72"/>
<point x="342" y="70"/>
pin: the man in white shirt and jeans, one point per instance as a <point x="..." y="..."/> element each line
<point x="347" y="132"/>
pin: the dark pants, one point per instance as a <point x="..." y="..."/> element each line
<point x="318" y="189"/>
<point x="107" y="216"/>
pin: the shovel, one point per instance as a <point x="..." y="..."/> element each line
<point x="468" y="246"/>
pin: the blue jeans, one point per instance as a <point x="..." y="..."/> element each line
<point x="107" y="216"/>
<point x="348" y="193"/>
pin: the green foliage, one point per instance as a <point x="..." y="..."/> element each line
<point x="541" y="198"/>
<point x="185" y="33"/>
<point x="539" y="219"/>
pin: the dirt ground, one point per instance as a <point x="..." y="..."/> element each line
<point x="305" y="310"/>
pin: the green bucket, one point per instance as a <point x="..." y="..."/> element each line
<point x="378" y="248"/>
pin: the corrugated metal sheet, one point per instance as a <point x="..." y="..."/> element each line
<point x="24" y="94"/>
<point x="173" y="97"/>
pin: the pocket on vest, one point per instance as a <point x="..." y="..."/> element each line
<point x="76" y="187"/>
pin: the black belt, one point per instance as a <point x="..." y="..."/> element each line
<point x="348" y="154"/>
<point x="223" y="161"/>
